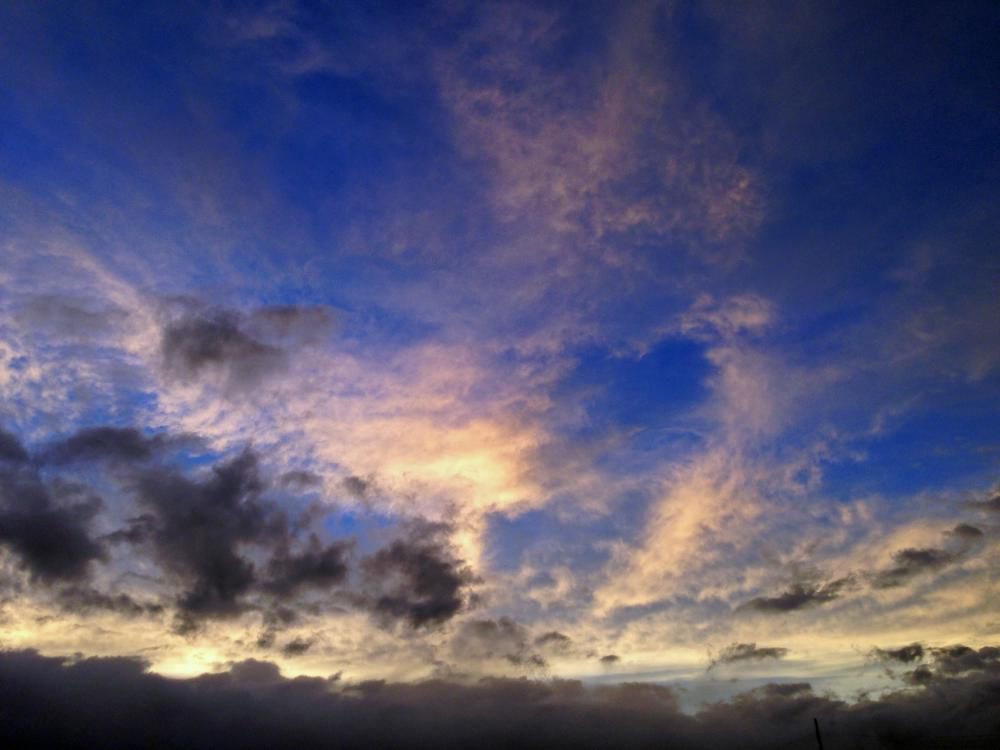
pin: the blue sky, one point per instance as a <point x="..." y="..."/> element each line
<point x="630" y="317"/>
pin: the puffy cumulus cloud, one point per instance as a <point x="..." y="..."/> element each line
<point x="47" y="524"/>
<point x="416" y="579"/>
<point x="252" y="705"/>
<point x="317" y="565"/>
<point x="207" y="545"/>
<point x="196" y="528"/>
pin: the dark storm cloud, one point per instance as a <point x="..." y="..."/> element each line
<point x="737" y="652"/>
<point x="221" y="542"/>
<point x="911" y="562"/>
<point x="204" y="531"/>
<point x="113" y="702"/>
<point x="495" y="639"/>
<point x="318" y="566"/>
<point x="196" y="529"/>
<point x="47" y="525"/>
<point x="799" y="596"/>
<point x="11" y="450"/>
<point x="609" y="659"/>
<point x="105" y="443"/>
<point x="416" y="579"/>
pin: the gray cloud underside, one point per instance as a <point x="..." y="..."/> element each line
<point x="907" y="563"/>
<point x="242" y="348"/>
<point x="222" y="543"/>
<point x="798" y="596"/>
<point x="738" y="652"/>
<point x="114" y="702"/>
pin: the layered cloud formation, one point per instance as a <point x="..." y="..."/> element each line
<point x="647" y="352"/>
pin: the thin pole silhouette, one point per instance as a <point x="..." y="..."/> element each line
<point x="819" y="737"/>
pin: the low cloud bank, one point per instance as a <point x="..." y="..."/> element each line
<point x="49" y="702"/>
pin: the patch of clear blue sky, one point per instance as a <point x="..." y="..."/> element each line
<point x="639" y="391"/>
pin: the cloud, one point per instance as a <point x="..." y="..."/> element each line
<point x="318" y="566"/>
<point x="293" y="325"/>
<point x="47" y="526"/>
<point x="960" y="659"/>
<point x="746" y="314"/>
<point x="238" y="349"/>
<point x="47" y="701"/>
<point x="606" y="146"/>
<point x="903" y="654"/>
<point x="504" y="639"/>
<point x="72" y="318"/>
<point x="946" y="663"/>
<point x="196" y="529"/>
<point x="198" y="344"/>
<point x="737" y="652"/>
<point x="990" y="504"/>
<point x="911" y="562"/>
<point x="356" y="486"/>
<point x="798" y="596"/>
<point x="84" y="599"/>
<point x="553" y="641"/>
<point x="416" y="579"/>
<point x="299" y="479"/>
<point x="108" y="443"/>
<point x="11" y="449"/>
<point x="214" y="540"/>
<point x="296" y="647"/>
<point x="966" y="532"/>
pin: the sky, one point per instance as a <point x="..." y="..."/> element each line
<point x="631" y="359"/>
